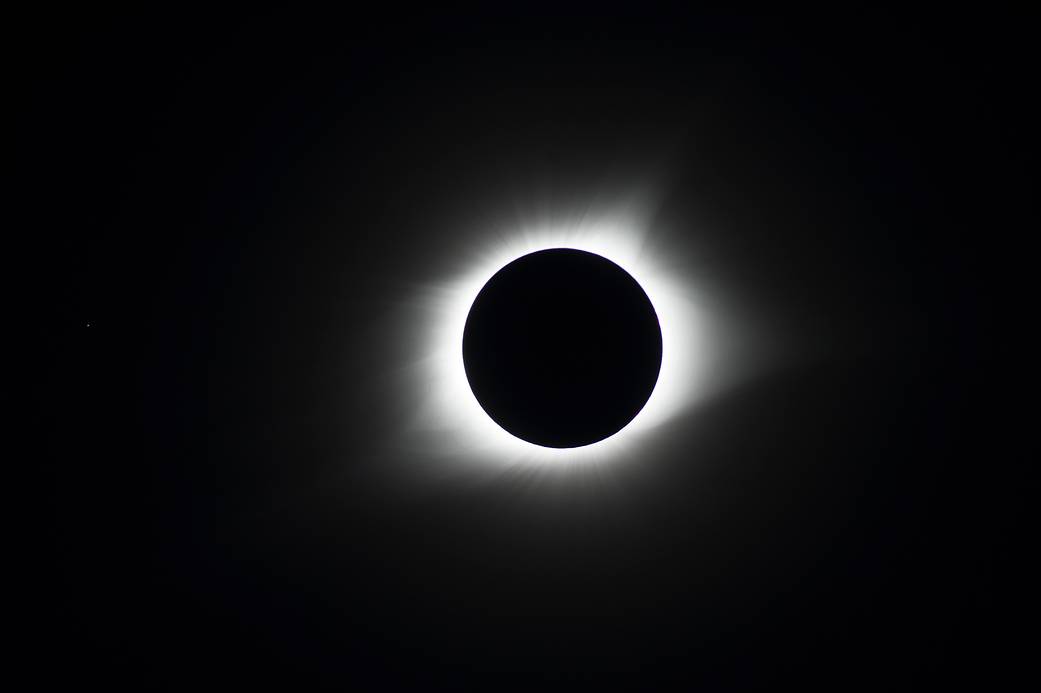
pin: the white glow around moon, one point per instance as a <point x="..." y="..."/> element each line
<point x="447" y="425"/>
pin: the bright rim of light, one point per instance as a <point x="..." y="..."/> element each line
<point x="450" y="421"/>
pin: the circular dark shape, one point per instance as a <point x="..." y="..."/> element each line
<point x="562" y="348"/>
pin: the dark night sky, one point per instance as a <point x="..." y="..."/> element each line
<point x="235" y="204"/>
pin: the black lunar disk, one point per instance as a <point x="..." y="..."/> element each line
<point x="562" y="348"/>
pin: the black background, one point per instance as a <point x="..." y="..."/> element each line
<point x="234" y="204"/>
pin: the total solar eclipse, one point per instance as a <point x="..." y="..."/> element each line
<point x="562" y="348"/>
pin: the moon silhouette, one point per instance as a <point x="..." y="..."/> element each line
<point x="562" y="348"/>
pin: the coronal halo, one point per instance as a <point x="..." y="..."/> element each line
<point x="449" y="426"/>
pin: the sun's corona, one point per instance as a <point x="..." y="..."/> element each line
<point x="451" y="422"/>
